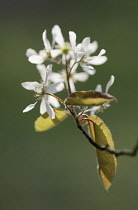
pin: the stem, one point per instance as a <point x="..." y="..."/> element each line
<point x="75" y="63"/>
<point x="72" y="67"/>
<point x="92" y="142"/>
<point x="68" y="76"/>
<point x="57" y="61"/>
<point x="106" y="147"/>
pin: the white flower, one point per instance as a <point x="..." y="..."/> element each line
<point x="59" y="42"/>
<point x="95" y="109"/>
<point x="42" y="89"/>
<point x="82" y="53"/>
<point x="74" y="76"/>
<point x="39" y="58"/>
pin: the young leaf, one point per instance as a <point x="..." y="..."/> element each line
<point x="88" y="98"/>
<point x="44" y="122"/>
<point x="107" y="163"/>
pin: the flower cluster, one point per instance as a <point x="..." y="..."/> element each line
<point x="71" y="57"/>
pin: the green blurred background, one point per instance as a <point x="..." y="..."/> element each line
<point x="56" y="170"/>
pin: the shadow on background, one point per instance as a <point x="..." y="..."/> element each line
<point x="57" y="169"/>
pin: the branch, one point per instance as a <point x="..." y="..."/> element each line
<point x="68" y="76"/>
<point x="105" y="148"/>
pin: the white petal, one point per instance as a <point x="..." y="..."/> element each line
<point x="81" y="77"/>
<point x="94" y="109"/>
<point x="86" y="66"/>
<point x="48" y="72"/>
<point x="96" y="60"/>
<point x="30" y="52"/>
<point x="56" y="87"/>
<point x="98" y="88"/>
<point x="85" y="43"/>
<point x="66" y="57"/>
<point x="42" y="52"/>
<point x="110" y="83"/>
<point x="31" y="85"/>
<point x="102" y="52"/>
<point x="53" y="101"/>
<point x="72" y="86"/>
<point x="88" y="69"/>
<point x="92" y="47"/>
<point x="57" y="36"/>
<point x="50" y="111"/>
<point x="43" y="106"/>
<point x="72" y="38"/>
<point x="78" y="47"/>
<point x="79" y="56"/>
<point x="29" y="107"/>
<point x="37" y="59"/>
<point x="56" y="77"/>
<point x="44" y="37"/>
<point x="46" y="41"/>
<point x="55" y="53"/>
<point x="42" y="70"/>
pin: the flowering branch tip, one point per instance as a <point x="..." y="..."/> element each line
<point x="76" y="63"/>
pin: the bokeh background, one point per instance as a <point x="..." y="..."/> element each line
<point x="56" y="170"/>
